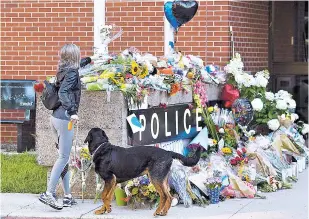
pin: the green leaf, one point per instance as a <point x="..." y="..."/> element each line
<point x="134" y="191"/>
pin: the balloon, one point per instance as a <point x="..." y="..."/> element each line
<point x="242" y="111"/>
<point x="184" y="11"/>
<point x="229" y="94"/>
<point x="180" y="12"/>
<point x="168" y="11"/>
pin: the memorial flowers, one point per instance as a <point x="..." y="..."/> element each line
<point x="273" y="124"/>
<point x="140" y="191"/>
<point x="200" y="99"/>
<point x="257" y="104"/>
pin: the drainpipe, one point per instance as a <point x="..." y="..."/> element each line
<point x="232" y="43"/>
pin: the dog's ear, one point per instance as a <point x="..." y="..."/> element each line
<point x="104" y="134"/>
<point x="88" y="139"/>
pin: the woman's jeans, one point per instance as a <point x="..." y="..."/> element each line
<point x="61" y="168"/>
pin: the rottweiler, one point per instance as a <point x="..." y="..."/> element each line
<point x="117" y="164"/>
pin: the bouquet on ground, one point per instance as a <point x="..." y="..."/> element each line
<point x="213" y="186"/>
<point x="140" y="191"/>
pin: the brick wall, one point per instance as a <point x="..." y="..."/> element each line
<point x="250" y="21"/>
<point x="32" y="32"/>
<point x="206" y="35"/>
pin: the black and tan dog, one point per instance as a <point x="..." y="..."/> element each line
<point x="116" y="164"/>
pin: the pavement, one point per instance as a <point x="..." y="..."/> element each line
<point x="284" y="204"/>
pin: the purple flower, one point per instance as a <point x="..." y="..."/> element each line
<point x="144" y="181"/>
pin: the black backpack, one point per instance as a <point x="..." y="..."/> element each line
<point x="50" y="97"/>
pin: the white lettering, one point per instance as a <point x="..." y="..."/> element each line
<point x="198" y="119"/>
<point x="142" y="120"/>
<point x="155" y="116"/>
<point x="187" y="111"/>
<point x="167" y="133"/>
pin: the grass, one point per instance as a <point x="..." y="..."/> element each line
<point x="20" y="173"/>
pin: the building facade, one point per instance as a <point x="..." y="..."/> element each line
<point x="32" y="32"/>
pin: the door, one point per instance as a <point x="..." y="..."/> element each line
<point x="289" y="51"/>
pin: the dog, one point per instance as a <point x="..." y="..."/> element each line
<point x="117" y="164"/>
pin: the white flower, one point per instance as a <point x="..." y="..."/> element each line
<point x="239" y="78"/>
<point x="282" y="117"/>
<point x="221" y="130"/>
<point x="281" y="104"/>
<point x="251" y="132"/>
<point x="291" y="103"/>
<point x="235" y="66"/>
<point x="261" y="81"/>
<point x="125" y="52"/>
<point x="282" y="94"/>
<point x="273" y="124"/>
<point x="250" y="80"/>
<point x="270" y="96"/>
<point x="186" y="62"/>
<point x="305" y="129"/>
<point x="264" y="73"/>
<point x="257" y="104"/>
<point x="149" y="66"/>
<point x="294" y="117"/>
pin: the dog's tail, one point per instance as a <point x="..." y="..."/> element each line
<point x="188" y="161"/>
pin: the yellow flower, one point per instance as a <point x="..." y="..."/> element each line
<point x="123" y="86"/>
<point x="144" y="72"/>
<point x="251" y="138"/>
<point x="134" y="68"/>
<point x="210" y="109"/>
<point x="107" y="74"/>
<point x="151" y="188"/>
<point x="214" y="141"/>
<point x="226" y="150"/>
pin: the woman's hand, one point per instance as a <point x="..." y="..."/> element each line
<point x="74" y="119"/>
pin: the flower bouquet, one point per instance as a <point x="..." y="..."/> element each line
<point x="141" y="191"/>
<point x="213" y="186"/>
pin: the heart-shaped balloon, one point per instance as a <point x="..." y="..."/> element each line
<point x="229" y="94"/>
<point x="184" y="11"/>
<point x="242" y="111"/>
<point x="168" y="11"/>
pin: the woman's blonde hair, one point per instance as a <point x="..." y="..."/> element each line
<point x="69" y="57"/>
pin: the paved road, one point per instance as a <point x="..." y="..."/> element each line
<point x="284" y="204"/>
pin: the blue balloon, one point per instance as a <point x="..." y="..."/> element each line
<point x="168" y="11"/>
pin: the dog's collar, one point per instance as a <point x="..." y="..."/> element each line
<point x="97" y="149"/>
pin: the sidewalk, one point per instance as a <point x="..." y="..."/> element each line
<point x="284" y="204"/>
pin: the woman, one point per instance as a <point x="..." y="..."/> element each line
<point x="69" y="93"/>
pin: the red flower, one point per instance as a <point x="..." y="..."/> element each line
<point x="246" y="160"/>
<point x="38" y="87"/>
<point x="163" y="105"/>
<point x="128" y="76"/>
<point x="244" y="150"/>
<point x="233" y="162"/>
<point x="239" y="153"/>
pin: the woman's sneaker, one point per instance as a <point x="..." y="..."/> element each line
<point x="68" y="201"/>
<point x="51" y="200"/>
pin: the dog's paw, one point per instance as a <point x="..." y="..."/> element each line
<point x="100" y="211"/>
<point x="163" y="213"/>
